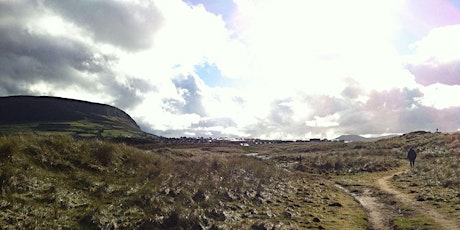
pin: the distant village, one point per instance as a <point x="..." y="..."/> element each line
<point x="240" y="141"/>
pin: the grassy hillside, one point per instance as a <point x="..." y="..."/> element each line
<point x="81" y="129"/>
<point x="61" y="116"/>
<point x="58" y="182"/>
<point x="435" y="181"/>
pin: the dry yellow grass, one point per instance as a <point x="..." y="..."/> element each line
<point x="51" y="182"/>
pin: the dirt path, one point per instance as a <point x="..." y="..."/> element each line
<point x="384" y="185"/>
<point x="379" y="214"/>
<point x="377" y="218"/>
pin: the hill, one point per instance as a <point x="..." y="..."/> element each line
<point x="54" y="115"/>
<point x="358" y="138"/>
<point x="351" y="138"/>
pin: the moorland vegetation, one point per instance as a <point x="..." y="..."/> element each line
<point x="54" y="182"/>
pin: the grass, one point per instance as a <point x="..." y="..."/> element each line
<point x="59" y="182"/>
<point x="83" y="129"/>
<point x="435" y="179"/>
<point x="414" y="223"/>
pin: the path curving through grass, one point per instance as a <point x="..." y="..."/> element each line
<point x="374" y="191"/>
<point x="376" y="217"/>
<point x="384" y="185"/>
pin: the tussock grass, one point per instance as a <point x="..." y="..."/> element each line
<point x="355" y="157"/>
<point x="435" y="179"/>
<point x="58" y="182"/>
<point x="341" y="158"/>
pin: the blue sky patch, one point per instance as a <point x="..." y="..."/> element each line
<point x="213" y="77"/>
<point x="225" y="8"/>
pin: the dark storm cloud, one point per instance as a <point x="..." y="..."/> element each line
<point x="190" y="92"/>
<point x="129" y="95"/>
<point x="127" y="25"/>
<point x="27" y="58"/>
<point x="432" y="72"/>
<point x="59" y="62"/>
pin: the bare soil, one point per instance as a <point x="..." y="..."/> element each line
<point x="378" y="219"/>
<point x="384" y="185"/>
<point x="382" y="202"/>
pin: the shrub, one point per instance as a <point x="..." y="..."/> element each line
<point x="104" y="153"/>
<point x="7" y="149"/>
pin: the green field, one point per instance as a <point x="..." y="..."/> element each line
<point x="83" y="128"/>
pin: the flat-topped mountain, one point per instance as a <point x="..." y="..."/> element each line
<point x="358" y="138"/>
<point x="50" y="115"/>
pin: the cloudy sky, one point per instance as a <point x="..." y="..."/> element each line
<point x="292" y="69"/>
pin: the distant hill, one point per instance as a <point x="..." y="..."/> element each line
<point x="54" y="115"/>
<point x="351" y="138"/>
<point x="358" y="138"/>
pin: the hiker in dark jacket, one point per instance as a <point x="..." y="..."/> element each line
<point x="411" y="155"/>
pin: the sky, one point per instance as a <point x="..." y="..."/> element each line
<point x="292" y="69"/>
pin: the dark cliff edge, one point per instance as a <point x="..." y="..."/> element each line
<point x="65" y="116"/>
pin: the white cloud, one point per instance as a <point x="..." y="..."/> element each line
<point x="441" y="44"/>
<point x="436" y="57"/>
<point x="313" y="46"/>
<point x="324" y="122"/>
<point x="307" y="68"/>
<point x="441" y="96"/>
<point x="435" y="65"/>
